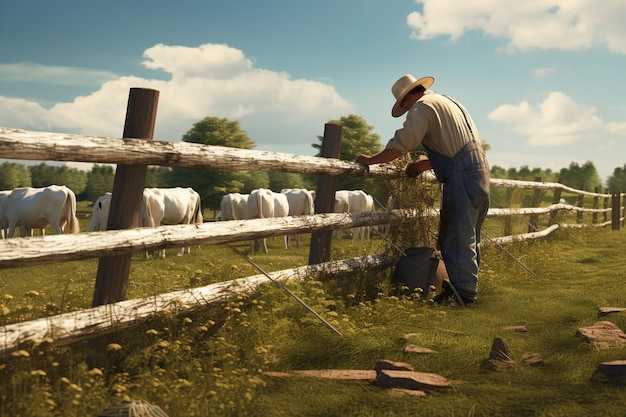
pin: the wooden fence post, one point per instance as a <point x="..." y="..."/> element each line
<point x="319" y="250"/>
<point x="605" y="206"/>
<point x="579" y="215"/>
<point x="596" y="205"/>
<point x="555" y="200"/>
<point x="508" y="227"/>
<point x="533" y="224"/>
<point x="615" y="211"/>
<point x="126" y="199"/>
<point x="623" y="216"/>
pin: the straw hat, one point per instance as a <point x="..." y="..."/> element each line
<point x="403" y="86"/>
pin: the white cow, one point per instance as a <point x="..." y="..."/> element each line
<point x="100" y="213"/>
<point x="300" y="204"/>
<point x="259" y="204"/>
<point x="263" y="204"/>
<point x="35" y="208"/>
<point x="354" y="201"/>
<point x="168" y="206"/>
<point x="233" y="207"/>
<point x="4" y="223"/>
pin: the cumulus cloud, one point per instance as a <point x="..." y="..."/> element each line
<point x="533" y="24"/>
<point x="557" y="120"/>
<point x="208" y="80"/>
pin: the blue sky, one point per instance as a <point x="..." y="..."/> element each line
<point x="543" y="80"/>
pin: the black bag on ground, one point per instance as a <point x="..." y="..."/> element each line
<point x="415" y="269"/>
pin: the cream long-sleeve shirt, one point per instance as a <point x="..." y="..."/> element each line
<point x="439" y="123"/>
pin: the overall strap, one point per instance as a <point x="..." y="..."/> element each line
<point x="469" y="126"/>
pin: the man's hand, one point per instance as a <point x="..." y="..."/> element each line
<point x="414" y="169"/>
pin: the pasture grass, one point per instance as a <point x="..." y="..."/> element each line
<point x="212" y="362"/>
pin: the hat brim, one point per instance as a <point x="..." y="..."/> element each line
<point x="397" y="110"/>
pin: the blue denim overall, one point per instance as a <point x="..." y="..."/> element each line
<point x="465" y="179"/>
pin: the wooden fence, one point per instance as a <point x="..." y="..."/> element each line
<point x="135" y="151"/>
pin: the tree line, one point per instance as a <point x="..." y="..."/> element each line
<point x="212" y="184"/>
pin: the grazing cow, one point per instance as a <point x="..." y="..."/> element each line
<point x="300" y="204"/>
<point x="35" y="208"/>
<point x="100" y="213"/>
<point x="4" y="223"/>
<point x="233" y="207"/>
<point x="354" y="201"/>
<point x="260" y="206"/>
<point x="168" y="206"/>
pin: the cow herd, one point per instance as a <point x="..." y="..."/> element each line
<point x="35" y="208"/>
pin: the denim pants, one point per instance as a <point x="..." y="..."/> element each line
<point x="465" y="180"/>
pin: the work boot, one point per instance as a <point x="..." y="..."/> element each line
<point x="449" y="294"/>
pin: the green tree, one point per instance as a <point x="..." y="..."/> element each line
<point x="356" y="138"/>
<point x="99" y="181"/>
<point x="14" y="175"/>
<point x="157" y="177"/>
<point x="43" y="175"/>
<point x="212" y="184"/>
<point x="617" y="181"/>
<point x="577" y="175"/>
<point x="279" y="180"/>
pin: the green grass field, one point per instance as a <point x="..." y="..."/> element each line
<point x="212" y="362"/>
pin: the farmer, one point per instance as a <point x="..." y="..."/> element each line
<point x="456" y="155"/>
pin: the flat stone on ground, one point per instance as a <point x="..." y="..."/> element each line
<point x="521" y="329"/>
<point x="355" y="374"/>
<point x="603" y="335"/>
<point x="417" y="349"/>
<point x="533" y="359"/>
<point x="411" y="392"/>
<point x="412" y="380"/>
<point x="608" y="310"/>
<point x="385" y="364"/>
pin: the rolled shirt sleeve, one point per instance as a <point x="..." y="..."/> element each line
<point x="413" y="131"/>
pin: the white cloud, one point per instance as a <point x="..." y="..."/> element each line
<point x="542" y="72"/>
<point x="210" y="80"/>
<point x="558" y="120"/>
<point x="531" y="24"/>
<point x="32" y="72"/>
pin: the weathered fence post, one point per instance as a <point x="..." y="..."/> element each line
<point x="605" y="206"/>
<point x="555" y="200"/>
<point x="596" y="205"/>
<point x="579" y="215"/>
<point x="623" y="216"/>
<point x="508" y="228"/>
<point x="615" y="211"/>
<point x="533" y="224"/>
<point x="128" y="185"/>
<point x="325" y="195"/>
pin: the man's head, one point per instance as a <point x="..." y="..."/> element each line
<point x="405" y="86"/>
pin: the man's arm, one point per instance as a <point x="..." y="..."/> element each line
<point x="386" y="155"/>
